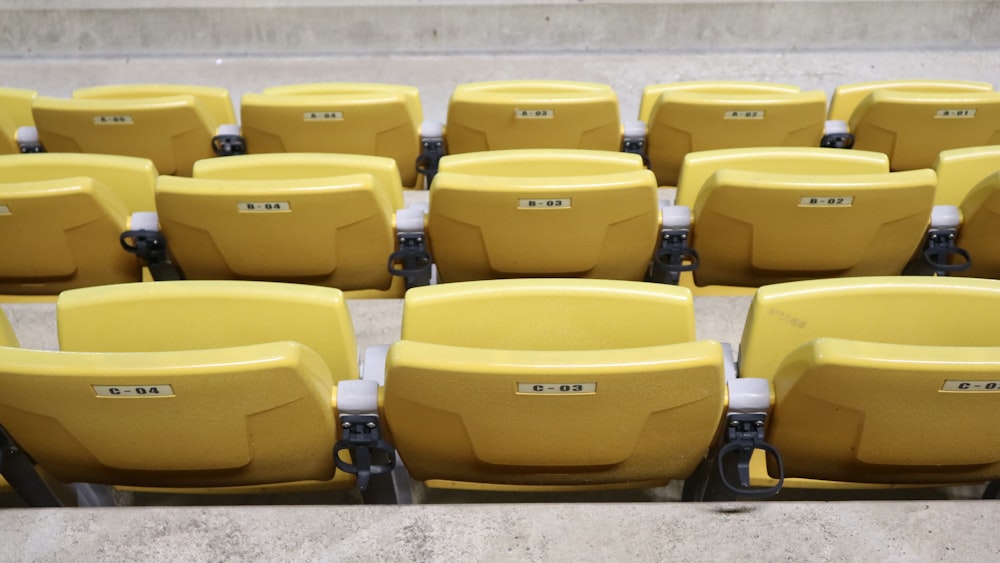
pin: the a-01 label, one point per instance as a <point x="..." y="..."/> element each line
<point x="4" y="210"/>
<point x="113" y="120"/>
<point x="744" y="114"/>
<point x="133" y="390"/>
<point x="817" y="201"/>
<point x="955" y="114"/>
<point x="543" y="203"/>
<point x="263" y="207"/>
<point x="323" y="116"/>
<point x="962" y="385"/>
<point x="556" y="388"/>
<point x="534" y="113"/>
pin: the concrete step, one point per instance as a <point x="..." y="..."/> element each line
<point x="66" y="28"/>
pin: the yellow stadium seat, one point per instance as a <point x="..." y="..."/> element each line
<point x="543" y="213"/>
<point x="698" y="116"/>
<point x="980" y="212"/>
<point x="519" y="114"/>
<point x="15" y="113"/>
<point x="61" y="216"/>
<point x="172" y="125"/>
<point x="367" y="119"/>
<point x="961" y="170"/>
<point x="758" y="219"/>
<point x="186" y="384"/>
<point x="913" y="121"/>
<point x="888" y="381"/>
<point x="552" y="384"/>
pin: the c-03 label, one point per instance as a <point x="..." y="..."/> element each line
<point x="556" y="388"/>
<point x="971" y="386"/>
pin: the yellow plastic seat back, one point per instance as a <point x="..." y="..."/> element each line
<point x="219" y="417"/>
<point x="15" y="111"/>
<point x="60" y="218"/>
<point x="754" y="228"/>
<point x="847" y="97"/>
<point x="981" y="227"/>
<point x="566" y="224"/>
<point x="857" y="364"/>
<point x="517" y="114"/>
<point x="913" y="123"/>
<point x="961" y="170"/>
<point x="171" y="125"/>
<point x="335" y="231"/>
<point x="698" y="167"/>
<point x="296" y="166"/>
<point x="686" y="118"/>
<point x="188" y="315"/>
<point x="62" y="234"/>
<point x="133" y="180"/>
<point x="552" y="383"/>
<point x="371" y="119"/>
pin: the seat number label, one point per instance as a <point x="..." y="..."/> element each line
<point x="4" y="210"/>
<point x="826" y="201"/>
<point x="973" y="386"/>
<point x="555" y="203"/>
<point x="112" y="120"/>
<point x="744" y="114"/>
<point x="323" y="116"/>
<point x="133" y="391"/>
<point x="263" y="207"/>
<point x="955" y="114"/>
<point x="534" y="113"/>
<point x="556" y="388"/>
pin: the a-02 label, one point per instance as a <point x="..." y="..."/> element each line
<point x="133" y="390"/>
<point x="263" y="206"/>
<point x="534" y="113"/>
<point x="962" y="385"/>
<point x="744" y="114"/>
<point x="556" y="388"/>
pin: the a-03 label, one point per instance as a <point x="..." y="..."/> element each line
<point x="113" y="120"/>
<point x="534" y="113"/>
<point x="556" y="388"/>
<point x="541" y="203"/>
<point x="133" y="391"/>
<point x="962" y="385"/>
<point x="837" y="201"/>
<point x="263" y="207"/>
<point x="323" y="116"/>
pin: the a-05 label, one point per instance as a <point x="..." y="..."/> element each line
<point x="113" y="120"/>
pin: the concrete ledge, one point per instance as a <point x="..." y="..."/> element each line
<point x="884" y="531"/>
<point x="95" y="29"/>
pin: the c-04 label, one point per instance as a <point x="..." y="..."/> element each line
<point x="133" y="390"/>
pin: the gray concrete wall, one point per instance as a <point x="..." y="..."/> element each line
<point x="61" y="28"/>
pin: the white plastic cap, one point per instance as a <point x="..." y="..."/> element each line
<point x="835" y="126"/>
<point x="374" y="366"/>
<point x="432" y="129"/>
<point x="357" y="397"/>
<point x="632" y="129"/>
<point x="26" y="135"/>
<point x="144" y="221"/>
<point x="749" y="395"/>
<point x="229" y="129"/>
<point x="946" y="217"/>
<point x="676" y="217"/>
<point x="409" y="220"/>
